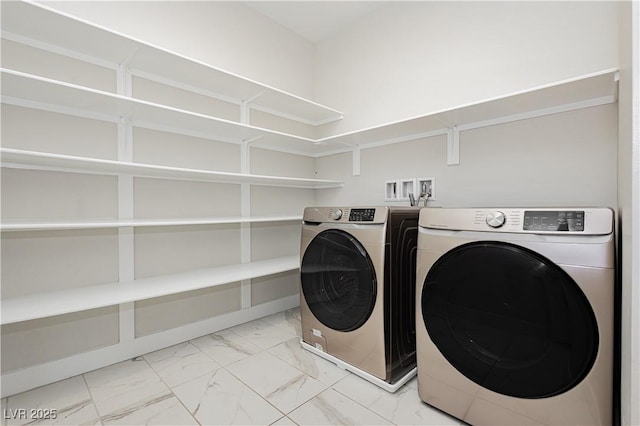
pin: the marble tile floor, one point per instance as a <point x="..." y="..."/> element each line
<point x="252" y="374"/>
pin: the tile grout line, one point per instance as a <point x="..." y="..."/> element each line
<point x="222" y="367"/>
<point x="254" y="391"/>
<point x="246" y="384"/>
<point x="327" y="387"/>
<point x="267" y="350"/>
<point x="93" y="401"/>
<point x="169" y="387"/>
<point x="284" y="322"/>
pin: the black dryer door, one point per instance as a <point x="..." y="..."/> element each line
<point x="338" y="280"/>
<point x="509" y="319"/>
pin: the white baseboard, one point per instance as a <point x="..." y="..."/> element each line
<point x="25" y="379"/>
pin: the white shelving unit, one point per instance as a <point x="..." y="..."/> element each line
<point x="582" y="92"/>
<point x="32" y="91"/>
<point x="60" y="302"/>
<point x="14" y="158"/>
<point x="138" y="223"/>
<point x="38" y="25"/>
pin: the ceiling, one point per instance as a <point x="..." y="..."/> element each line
<point x="315" y="20"/>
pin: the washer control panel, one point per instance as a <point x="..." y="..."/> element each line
<point x="341" y="215"/>
<point x="362" y="215"/>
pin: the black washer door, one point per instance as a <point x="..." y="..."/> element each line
<point x="509" y="319"/>
<point x="338" y="280"/>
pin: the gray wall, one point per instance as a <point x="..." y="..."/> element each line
<point x="567" y="159"/>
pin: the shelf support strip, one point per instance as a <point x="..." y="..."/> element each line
<point x="245" y="209"/>
<point x="356" y="160"/>
<point x="453" y="146"/>
<point x="126" y="250"/>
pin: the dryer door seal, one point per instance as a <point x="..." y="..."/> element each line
<point x="338" y="280"/>
<point x="509" y="319"/>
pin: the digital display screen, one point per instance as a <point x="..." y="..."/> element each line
<point x="553" y="220"/>
<point x="362" y="215"/>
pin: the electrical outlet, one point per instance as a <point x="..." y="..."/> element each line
<point x="428" y="185"/>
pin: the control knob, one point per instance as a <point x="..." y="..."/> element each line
<point x="337" y="214"/>
<point x="496" y="219"/>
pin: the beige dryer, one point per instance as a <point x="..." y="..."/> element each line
<point x="515" y="314"/>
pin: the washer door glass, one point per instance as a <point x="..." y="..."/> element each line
<point x="338" y="280"/>
<point x="509" y="319"/>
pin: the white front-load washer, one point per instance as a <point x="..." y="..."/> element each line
<point x="515" y="314"/>
<point x="357" y="295"/>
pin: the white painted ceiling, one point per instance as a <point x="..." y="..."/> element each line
<point x="315" y="20"/>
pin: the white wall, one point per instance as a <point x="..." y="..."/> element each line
<point x="413" y="58"/>
<point x="629" y="208"/>
<point x="226" y="35"/>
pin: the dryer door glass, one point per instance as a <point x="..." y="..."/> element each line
<point x="509" y="319"/>
<point x="338" y="280"/>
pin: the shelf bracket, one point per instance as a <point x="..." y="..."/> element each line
<point x="124" y="83"/>
<point x="615" y="86"/>
<point x="245" y="108"/>
<point x="253" y="98"/>
<point x="453" y="146"/>
<point x="251" y="140"/>
<point x="355" y="156"/>
<point x="245" y="112"/>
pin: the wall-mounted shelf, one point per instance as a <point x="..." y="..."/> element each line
<point x="138" y="223"/>
<point x="38" y="92"/>
<point x="35" y="25"/>
<point x="60" y="302"/>
<point x="14" y="158"/>
<point x="41" y="25"/>
<point x="31" y="91"/>
<point x="581" y="92"/>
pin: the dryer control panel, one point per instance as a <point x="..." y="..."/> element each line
<point x="577" y="221"/>
<point x="554" y="220"/>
